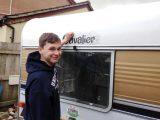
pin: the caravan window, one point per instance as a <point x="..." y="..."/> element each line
<point x="85" y="77"/>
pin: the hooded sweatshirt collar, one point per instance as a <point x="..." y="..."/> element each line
<point x="35" y="64"/>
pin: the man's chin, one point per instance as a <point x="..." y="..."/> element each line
<point x="54" y="62"/>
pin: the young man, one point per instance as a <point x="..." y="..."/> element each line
<point x="42" y="97"/>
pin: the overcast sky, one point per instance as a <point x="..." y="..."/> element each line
<point x="100" y="4"/>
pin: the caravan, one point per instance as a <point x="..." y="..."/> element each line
<point x="111" y="68"/>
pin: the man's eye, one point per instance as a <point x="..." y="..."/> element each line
<point x="52" y="49"/>
<point x="59" y="49"/>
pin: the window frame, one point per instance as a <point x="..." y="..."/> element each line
<point x="74" y="101"/>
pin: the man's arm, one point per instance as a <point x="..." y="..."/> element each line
<point x="39" y="101"/>
<point x="68" y="36"/>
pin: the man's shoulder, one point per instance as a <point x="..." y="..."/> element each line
<point x="39" y="79"/>
<point x="39" y="74"/>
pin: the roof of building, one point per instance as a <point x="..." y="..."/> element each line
<point x="22" y="17"/>
<point x="8" y="7"/>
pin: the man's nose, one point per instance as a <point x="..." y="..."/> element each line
<point x="57" y="52"/>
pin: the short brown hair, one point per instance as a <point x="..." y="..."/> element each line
<point x="48" y="37"/>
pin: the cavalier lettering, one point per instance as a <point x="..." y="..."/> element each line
<point x="83" y="40"/>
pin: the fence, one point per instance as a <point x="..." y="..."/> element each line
<point x="9" y="65"/>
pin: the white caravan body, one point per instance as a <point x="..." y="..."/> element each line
<point x="120" y="32"/>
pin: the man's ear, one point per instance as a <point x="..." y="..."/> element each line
<point x="40" y="49"/>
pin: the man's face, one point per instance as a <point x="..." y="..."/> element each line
<point x="51" y="52"/>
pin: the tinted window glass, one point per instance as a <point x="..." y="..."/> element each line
<point x="85" y="76"/>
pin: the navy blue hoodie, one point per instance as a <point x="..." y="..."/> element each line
<point x="41" y="94"/>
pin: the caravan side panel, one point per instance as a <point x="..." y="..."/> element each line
<point x="137" y="76"/>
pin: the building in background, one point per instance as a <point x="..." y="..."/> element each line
<point x="8" y="7"/>
<point x="12" y="25"/>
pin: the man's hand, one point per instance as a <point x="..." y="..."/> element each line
<point x="68" y="36"/>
